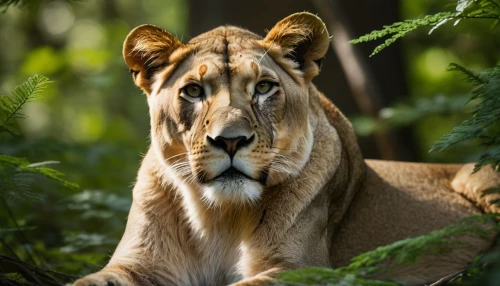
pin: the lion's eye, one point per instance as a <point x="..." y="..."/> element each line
<point x="263" y="87"/>
<point x="193" y="90"/>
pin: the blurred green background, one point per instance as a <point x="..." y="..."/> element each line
<point x="94" y="121"/>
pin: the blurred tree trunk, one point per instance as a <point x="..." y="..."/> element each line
<point x="363" y="16"/>
<point x="360" y="77"/>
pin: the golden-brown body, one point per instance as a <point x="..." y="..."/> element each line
<point x="252" y="171"/>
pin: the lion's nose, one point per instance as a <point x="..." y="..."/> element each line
<point x="230" y="145"/>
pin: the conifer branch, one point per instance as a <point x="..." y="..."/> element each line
<point x="465" y="9"/>
<point x="485" y="116"/>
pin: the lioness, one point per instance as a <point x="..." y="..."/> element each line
<point x="252" y="171"/>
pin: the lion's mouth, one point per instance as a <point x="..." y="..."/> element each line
<point x="232" y="174"/>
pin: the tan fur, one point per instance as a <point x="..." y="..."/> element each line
<point x="301" y="195"/>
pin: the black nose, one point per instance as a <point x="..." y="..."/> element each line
<point x="230" y="145"/>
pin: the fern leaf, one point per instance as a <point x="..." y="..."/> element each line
<point x="326" y="276"/>
<point x="10" y="107"/>
<point x="468" y="74"/>
<point x="465" y="9"/>
<point x="485" y="115"/>
<point x="51" y="174"/>
<point x="17" y="176"/>
<point x="400" y="29"/>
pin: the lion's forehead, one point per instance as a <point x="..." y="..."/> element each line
<point x="227" y="44"/>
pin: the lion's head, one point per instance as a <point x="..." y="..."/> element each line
<point x="229" y="110"/>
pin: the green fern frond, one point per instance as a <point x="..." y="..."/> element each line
<point x="469" y="75"/>
<point x="327" y="276"/>
<point x="10" y="107"/>
<point x="485" y="116"/>
<point x="17" y="176"/>
<point x="6" y="3"/>
<point x="400" y="29"/>
<point x="465" y="9"/>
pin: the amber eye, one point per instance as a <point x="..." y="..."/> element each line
<point x="263" y="87"/>
<point x="193" y="90"/>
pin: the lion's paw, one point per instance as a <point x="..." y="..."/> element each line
<point x="101" y="279"/>
<point x="255" y="281"/>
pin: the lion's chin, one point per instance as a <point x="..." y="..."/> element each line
<point x="239" y="191"/>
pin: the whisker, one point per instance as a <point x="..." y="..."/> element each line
<point x="181" y="154"/>
<point x="262" y="57"/>
<point x="286" y="160"/>
<point x="282" y="149"/>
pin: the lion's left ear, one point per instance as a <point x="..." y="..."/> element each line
<point x="303" y="38"/>
<point x="146" y="49"/>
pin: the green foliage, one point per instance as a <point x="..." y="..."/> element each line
<point x="465" y="9"/>
<point x="400" y="29"/>
<point x="10" y="107"/>
<point x="400" y="253"/>
<point x="17" y="182"/>
<point x="326" y="276"/>
<point x="7" y="3"/>
<point x="485" y="116"/>
<point x="483" y="127"/>
<point x="17" y="175"/>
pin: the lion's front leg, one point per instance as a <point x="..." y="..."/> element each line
<point x="263" y="278"/>
<point x="105" y="277"/>
<point x="155" y="248"/>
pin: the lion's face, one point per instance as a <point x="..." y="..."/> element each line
<point x="229" y="111"/>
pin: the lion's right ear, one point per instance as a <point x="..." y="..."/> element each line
<point x="146" y="49"/>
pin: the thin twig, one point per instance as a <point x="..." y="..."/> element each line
<point x="448" y="278"/>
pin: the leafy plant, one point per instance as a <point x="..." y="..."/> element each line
<point x="17" y="174"/>
<point x="485" y="115"/>
<point x="7" y="3"/>
<point x="17" y="177"/>
<point x="483" y="126"/>
<point x="10" y="106"/>
<point x="465" y="9"/>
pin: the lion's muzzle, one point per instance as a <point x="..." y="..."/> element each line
<point x="230" y="131"/>
<point x="230" y="145"/>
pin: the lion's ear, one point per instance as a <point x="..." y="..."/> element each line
<point x="303" y="38"/>
<point x="146" y="49"/>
